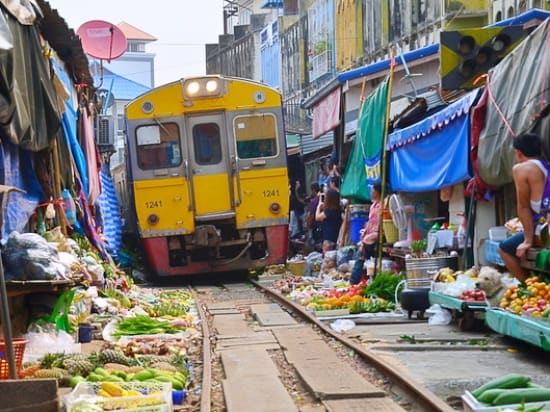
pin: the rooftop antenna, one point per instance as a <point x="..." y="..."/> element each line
<point x="408" y="75"/>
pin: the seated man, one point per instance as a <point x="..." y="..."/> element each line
<point x="532" y="182"/>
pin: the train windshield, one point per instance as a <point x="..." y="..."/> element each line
<point x="158" y="146"/>
<point x="256" y="136"/>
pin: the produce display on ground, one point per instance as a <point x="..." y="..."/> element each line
<point x="150" y="339"/>
<point x="328" y="289"/>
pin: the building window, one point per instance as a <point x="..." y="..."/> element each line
<point x="136" y="47"/>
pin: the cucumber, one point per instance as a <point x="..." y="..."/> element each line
<point x="522" y="395"/>
<point x="511" y="380"/>
<point x="490" y="395"/>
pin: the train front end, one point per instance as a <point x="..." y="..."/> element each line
<point x="206" y="160"/>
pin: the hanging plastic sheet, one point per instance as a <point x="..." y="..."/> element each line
<point x="518" y="101"/>
<point x="434" y="153"/>
<point x="18" y="171"/>
<point x="35" y="120"/>
<point x="367" y="144"/>
<point x="110" y="213"/>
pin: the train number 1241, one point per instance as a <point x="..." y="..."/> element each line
<point x="153" y="204"/>
<point x="271" y="193"/>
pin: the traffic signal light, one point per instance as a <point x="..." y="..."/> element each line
<point x="468" y="53"/>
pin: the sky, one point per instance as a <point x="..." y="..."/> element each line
<point x="182" y="28"/>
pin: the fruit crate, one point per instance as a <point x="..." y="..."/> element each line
<point x="18" y="345"/>
<point x="471" y="404"/>
<point x="157" y="396"/>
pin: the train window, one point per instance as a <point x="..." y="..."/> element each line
<point x="158" y="146"/>
<point x="207" y="144"/>
<point x="256" y="136"/>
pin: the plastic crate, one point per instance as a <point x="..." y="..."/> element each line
<point x="18" y="352"/>
<point x="471" y="404"/>
<point x="157" y="396"/>
<point x="492" y="254"/>
<point x="498" y="233"/>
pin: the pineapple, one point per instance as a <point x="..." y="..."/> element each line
<point x="76" y="366"/>
<point x="148" y="360"/>
<point x="115" y="356"/>
<point x="52" y="360"/>
<point x="164" y="366"/>
<point x="52" y="373"/>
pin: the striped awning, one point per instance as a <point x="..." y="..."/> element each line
<point x="273" y="4"/>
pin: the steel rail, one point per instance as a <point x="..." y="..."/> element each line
<point x="416" y="391"/>
<point x="206" y="386"/>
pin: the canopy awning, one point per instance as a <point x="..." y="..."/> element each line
<point x="433" y="153"/>
<point x="326" y="114"/>
<point x="292" y="144"/>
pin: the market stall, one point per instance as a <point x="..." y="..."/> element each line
<point x="531" y="329"/>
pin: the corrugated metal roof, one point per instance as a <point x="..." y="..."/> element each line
<point x="65" y="42"/>
<point x="310" y="145"/>
<point x="121" y="87"/>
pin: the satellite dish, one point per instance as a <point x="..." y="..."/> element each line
<point x="102" y="40"/>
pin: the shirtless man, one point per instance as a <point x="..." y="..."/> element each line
<point x="532" y="182"/>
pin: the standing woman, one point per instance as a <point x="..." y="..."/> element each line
<point x="329" y="213"/>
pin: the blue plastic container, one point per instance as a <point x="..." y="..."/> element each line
<point x="355" y="226"/>
<point x="85" y="333"/>
<point x="357" y="218"/>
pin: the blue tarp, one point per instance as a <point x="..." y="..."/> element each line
<point x="110" y="213"/>
<point x="17" y="170"/>
<point x="433" y="153"/>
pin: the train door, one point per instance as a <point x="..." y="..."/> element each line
<point x="208" y="166"/>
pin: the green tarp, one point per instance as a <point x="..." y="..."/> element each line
<point x="365" y="161"/>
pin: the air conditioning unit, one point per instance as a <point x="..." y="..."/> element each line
<point x="104" y="130"/>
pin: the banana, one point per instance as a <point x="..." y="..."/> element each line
<point x="113" y="389"/>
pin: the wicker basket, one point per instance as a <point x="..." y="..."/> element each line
<point x="18" y="351"/>
<point x="390" y="231"/>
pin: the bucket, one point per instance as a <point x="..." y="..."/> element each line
<point x="421" y="271"/>
<point x="85" y="333"/>
<point x="355" y="226"/>
<point x="358" y="218"/>
<point x="359" y="210"/>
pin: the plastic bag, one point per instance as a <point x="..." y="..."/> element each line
<point x="439" y="315"/>
<point x="342" y="325"/>
<point x="41" y="342"/>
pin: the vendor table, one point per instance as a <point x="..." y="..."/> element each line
<point x="25" y="287"/>
<point x="535" y="332"/>
<point x="467" y="309"/>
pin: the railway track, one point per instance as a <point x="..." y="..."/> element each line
<point x="263" y="352"/>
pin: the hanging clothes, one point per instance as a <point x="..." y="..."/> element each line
<point x="89" y="148"/>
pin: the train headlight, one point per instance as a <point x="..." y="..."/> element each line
<point x="152" y="219"/>
<point x="192" y="88"/>
<point x="275" y="208"/>
<point x="210" y="86"/>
